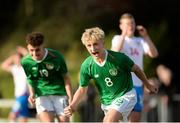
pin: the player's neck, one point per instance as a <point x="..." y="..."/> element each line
<point x="102" y="57"/>
<point x="44" y="54"/>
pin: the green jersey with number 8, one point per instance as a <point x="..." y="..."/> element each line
<point x="46" y="76"/>
<point x="112" y="78"/>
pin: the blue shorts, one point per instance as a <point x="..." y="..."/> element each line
<point x="139" y="105"/>
<point x="20" y="107"/>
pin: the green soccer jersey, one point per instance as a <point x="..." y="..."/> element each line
<point x="112" y="79"/>
<point x="46" y="76"/>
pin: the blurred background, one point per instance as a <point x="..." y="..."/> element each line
<point x="63" y="22"/>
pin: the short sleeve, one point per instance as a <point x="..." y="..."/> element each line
<point x="28" y="75"/>
<point x="127" y="62"/>
<point x="115" y="40"/>
<point x="84" y="75"/>
<point x="63" y="65"/>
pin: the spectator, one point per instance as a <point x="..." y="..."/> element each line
<point x="135" y="48"/>
<point x="12" y="64"/>
<point x="166" y="91"/>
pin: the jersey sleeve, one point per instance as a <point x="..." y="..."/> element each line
<point x="63" y="65"/>
<point x="28" y="75"/>
<point x="84" y="75"/>
<point x="115" y="40"/>
<point x="127" y="62"/>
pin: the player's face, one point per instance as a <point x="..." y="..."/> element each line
<point x="95" y="48"/>
<point x="36" y="52"/>
<point x="128" y="25"/>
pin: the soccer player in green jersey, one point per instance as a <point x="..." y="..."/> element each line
<point x="112" y="74"/>
<point x="49" y="82"/>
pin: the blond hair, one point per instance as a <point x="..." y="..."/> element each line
<point x="93" y="34"/>
<point x="126" y="16"/>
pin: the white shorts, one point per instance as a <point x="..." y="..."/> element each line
<point x="52" y="103"/>
<point x="123" y="104"/>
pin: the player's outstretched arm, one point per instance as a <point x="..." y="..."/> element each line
<point x="31" y="98"/>
<point x="68" y="87"/>
<point x="153" y="52"/>
<point x="141" y="75"/>
<point x="7" y="63"/>
<point x="78" y="96"/>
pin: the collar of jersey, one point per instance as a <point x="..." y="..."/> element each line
<point x="102" y="64"/>
<point x="46" y="52"/>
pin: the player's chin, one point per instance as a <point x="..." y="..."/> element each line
<point x="95" y="56"/>
<point x="37" y="58"/>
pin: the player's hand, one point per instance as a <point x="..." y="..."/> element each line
<point x="124" y="30"/>
<point x="31" y="100"/>
<point x="152" y="88"/>
<point x="142" y="31"/>
<point x="68" y="111"/>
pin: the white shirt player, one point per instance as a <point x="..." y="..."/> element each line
<point x="20" y="81"/>
<point x="135" y="48"/>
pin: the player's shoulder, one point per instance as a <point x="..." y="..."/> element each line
<point x="114" y="53"/>
<point x="54" y="53"/>
<point x="116" y="37"/>
<point x="88" y="61"/>
<point x="26" y="59"/>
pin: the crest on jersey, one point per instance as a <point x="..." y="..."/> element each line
<point x="49" y="66"/>
<point x="113" y="71"/>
